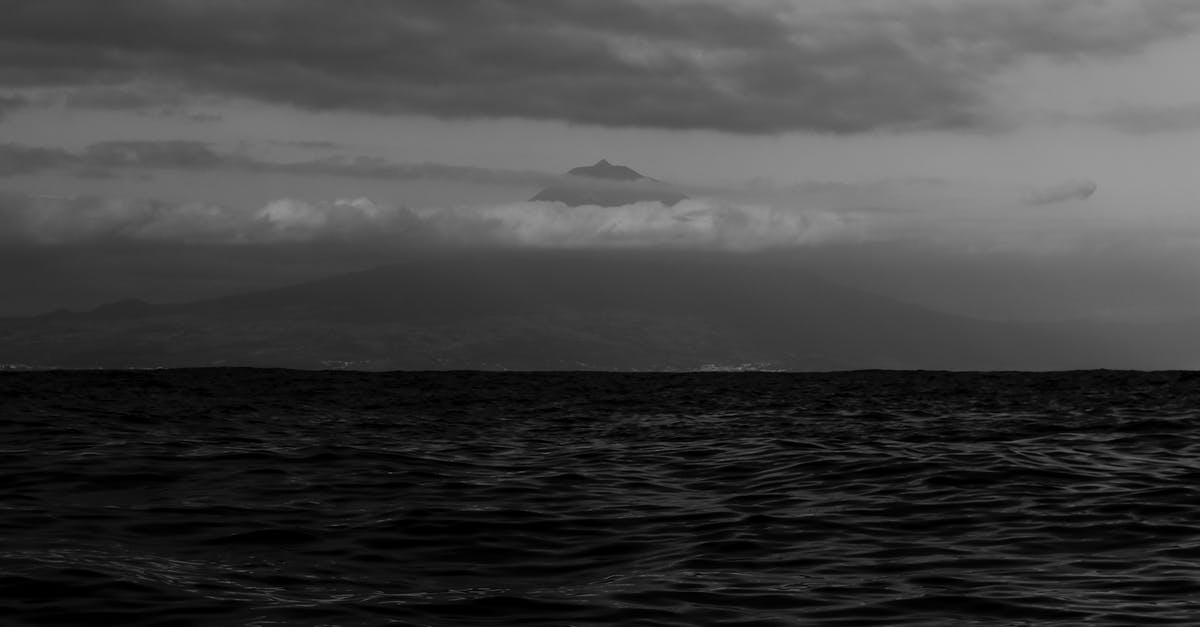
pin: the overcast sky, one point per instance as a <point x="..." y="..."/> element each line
<point x="1000" y="158"/>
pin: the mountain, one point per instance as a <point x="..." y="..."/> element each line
<point x="607" y="185"/>
<point x="539" y="310"/>
<point x="602" y="169"/>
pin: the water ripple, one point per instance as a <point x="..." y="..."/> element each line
<point x="285" y="498"/>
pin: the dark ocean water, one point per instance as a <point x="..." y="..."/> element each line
<point x="251" y="497"/>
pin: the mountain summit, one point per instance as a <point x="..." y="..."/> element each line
<point x="607" y="185"/>
<point x="605" y="170"/>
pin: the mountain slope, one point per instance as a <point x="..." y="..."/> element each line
<point x="607" y="185"/>
<point x="555" y="310"/>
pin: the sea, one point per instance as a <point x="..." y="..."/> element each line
<point x="274" y="497"/>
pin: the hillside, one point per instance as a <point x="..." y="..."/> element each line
<point x="558" y="310"/>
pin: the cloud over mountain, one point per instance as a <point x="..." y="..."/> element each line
<point x="743" y="67"/>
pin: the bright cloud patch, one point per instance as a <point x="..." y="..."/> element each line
<point x="297" y="220"/>
<point x="690" y="223"/>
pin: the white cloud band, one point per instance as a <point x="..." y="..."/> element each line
<point x="693" y="223"/>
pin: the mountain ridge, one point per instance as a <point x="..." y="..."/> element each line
<point x="565" y="311"/>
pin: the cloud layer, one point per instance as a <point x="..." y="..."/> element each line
<point x="742" y="67"/>
<point x="689" y="223"/>
<point x="61" y="220"/>
<point x="703" y="224"/>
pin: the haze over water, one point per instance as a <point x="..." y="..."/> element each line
<point x="260" y="497"/>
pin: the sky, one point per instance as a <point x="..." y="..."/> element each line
<point x="1016" y="159"/>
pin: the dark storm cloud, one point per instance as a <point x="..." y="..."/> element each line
<point x="739" y="67"/>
